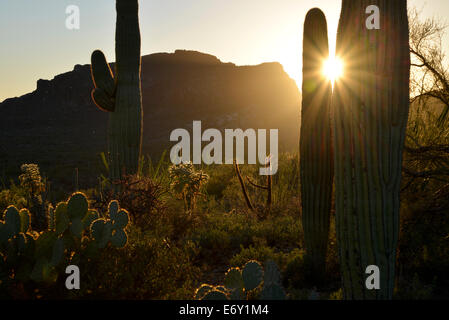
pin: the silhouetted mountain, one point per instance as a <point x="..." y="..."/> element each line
<point x="59" y="127"/>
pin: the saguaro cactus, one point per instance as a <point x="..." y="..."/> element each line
<point x="122" y="95"/>
<point x="316" y="161"/>
<point x="370" y="106"/>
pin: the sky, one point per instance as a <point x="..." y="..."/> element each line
<point x="35" y="43"/>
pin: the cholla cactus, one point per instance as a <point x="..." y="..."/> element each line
<point x="34" y="187"/>
<point x="31" y="179"/>
<point x="186" y="183"/>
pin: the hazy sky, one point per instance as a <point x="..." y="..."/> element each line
<point x="35" y="44"/>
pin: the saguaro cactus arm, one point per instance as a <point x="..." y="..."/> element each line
<point x="104" y="92"/>
<point x="122" y="95"/>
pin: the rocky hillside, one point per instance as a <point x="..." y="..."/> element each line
<point x="58" y="126"/>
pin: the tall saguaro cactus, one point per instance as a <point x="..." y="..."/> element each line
<point x="316" y="161"/>
<point x="370" y="110"/>
<point x="121" y="95"/>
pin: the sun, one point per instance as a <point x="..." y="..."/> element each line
<point x="333" y="68"/>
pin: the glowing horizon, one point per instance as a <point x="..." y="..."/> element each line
<point x="36" y="44"/>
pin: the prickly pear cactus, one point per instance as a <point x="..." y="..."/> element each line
<point x="234" y="284"/>
<point x="370" y="106"/>
<point x="77" y="208"/>
<point x="121" y="95"/>
<point x="111" y="230"/>
<point x="12" y="224"/>
<point x="72" y="232"/>
<point x="202" y="291"/>
<point x="252" y="275"/>
<point x="272" y="286"/>
<point x="239" y="283"/>
<point x="316" y="160"/>
<point x="215" y="294"/>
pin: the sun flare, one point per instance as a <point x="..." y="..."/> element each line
<point x="333" y="68"/>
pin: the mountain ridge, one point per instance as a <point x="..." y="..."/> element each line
<point x="58" y="125"/>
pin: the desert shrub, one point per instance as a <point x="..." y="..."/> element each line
<point x="231" y="231"/>
<point x="233" y="198"/>
<point x="294" y="274"/>
<point x="141" y="194"/>
<point x="284" y="190"/>
<point x="260" y="253"/>
<point x="223" y="233"/>
<point x="170" y="253"/>
<point x="148" y="268"/>
<point x="423" y="246"/>
<point x="13" y="196"/>
<point x="30" y="193"/>
<point x="414" y="289"/>
<point x="286" y="180"/>
<point x="219" y="179"/>
<point x="280" y="231"/>
<point x="424" y="224"/>
<point x="174" y="223"/>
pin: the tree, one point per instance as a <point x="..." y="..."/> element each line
<point x="430" y="76"/>
<point x="427" y="142"/>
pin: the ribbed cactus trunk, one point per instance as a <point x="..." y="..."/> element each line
<point x="370" y="106"/>
<point x="122" y="95"/>
<point x="316" y="160"/>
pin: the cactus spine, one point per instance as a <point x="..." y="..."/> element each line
<point x="122" y="95"/>
<point x="316" y="160"/>
<point x="370" y="106"/>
